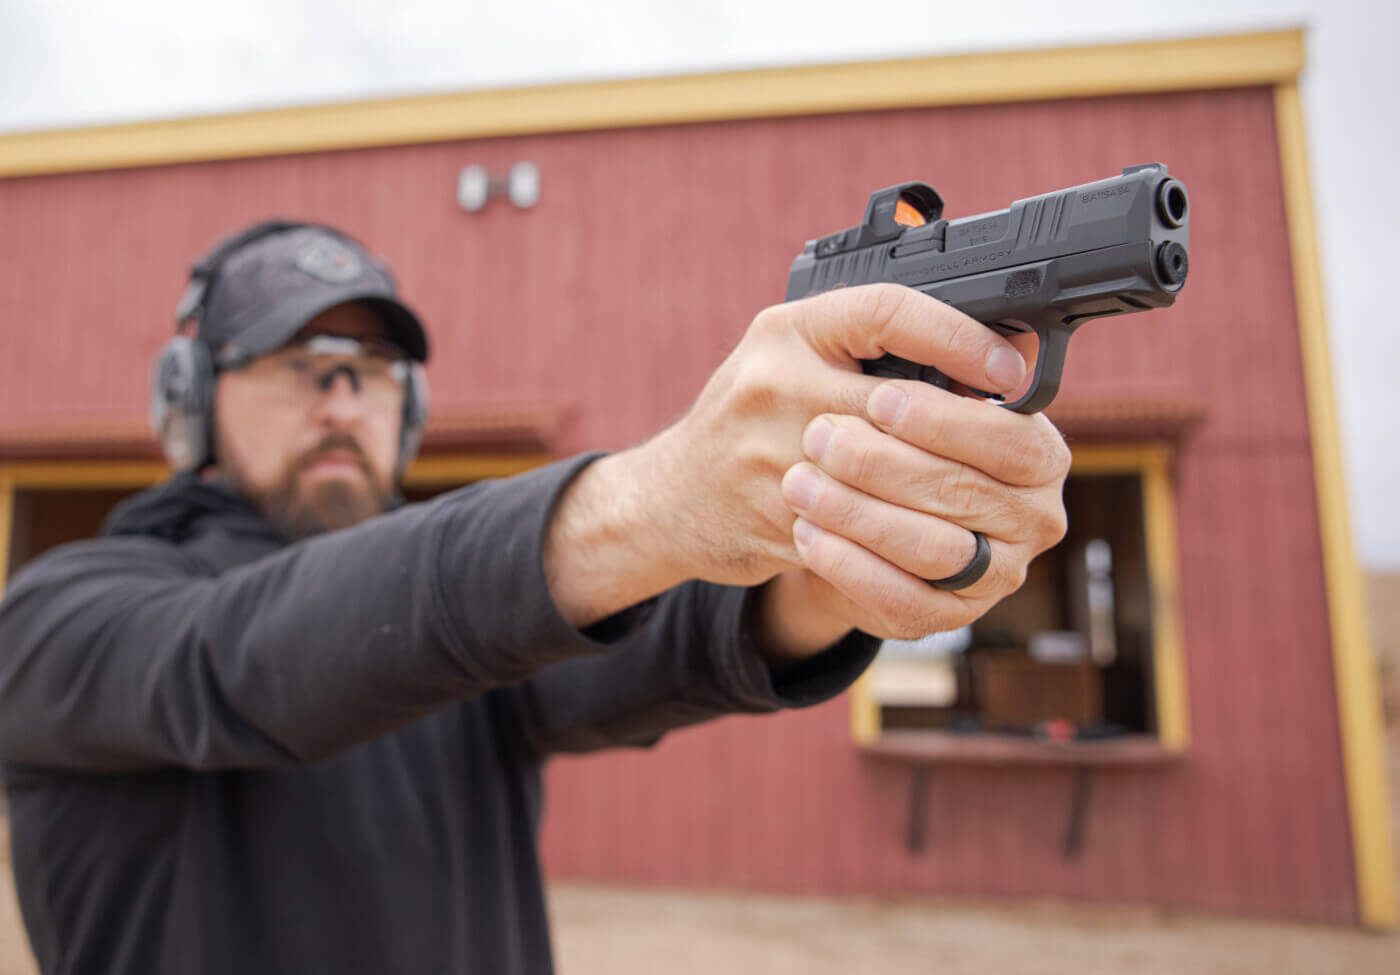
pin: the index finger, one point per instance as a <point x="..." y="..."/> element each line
<point x="869" y="321"/>
<point x="1013" y="448"/>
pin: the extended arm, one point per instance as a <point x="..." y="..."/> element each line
<point x="129" y="652"/>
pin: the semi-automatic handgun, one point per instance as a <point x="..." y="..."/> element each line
<point x="1045" y="264"/>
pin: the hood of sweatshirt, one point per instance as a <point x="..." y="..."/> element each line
<point x="183" y="507"/>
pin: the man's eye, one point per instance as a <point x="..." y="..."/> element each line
<point x="300" y="367"/>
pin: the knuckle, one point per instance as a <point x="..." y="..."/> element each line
<point x="960" y="491"/>
<point x="1060" y="458"/>
<point x="908" y="620"/>
<point x="1016" y="576"/>
<point x="964" y="335"/>
<point x="928" y="421"/>
<point x="913" y="613"/>
<point x="770" y="320"/>
<point x="850" y="457"/>
<point x="1021" y="460"/>
<point x="1055" y="456"/>
<point x="883" y="305"/>
<point x="1054" y="524"/>
<point x="1007" y="574"/>
<point x="894" y="607"/>
<point x="911" y="631"/>
<point x="1039" y="457"/>
<point x="844" y="512"/>
<point x="753" y="391"/>
<point x="887" y="302"/>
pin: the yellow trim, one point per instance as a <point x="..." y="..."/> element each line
<point x="1168" y="654"/>
<point x="7" y="515"/>
<point x="27" y="475"/>
<point x="1354" y="664"/>
<point x="461" y="469"/>
<point x="1118" y="458"/>
<point x="1152" y="462"/>
<point x="84" y="474"/>
<point x="1228" y="61"/>
<point x="865" y="713"/>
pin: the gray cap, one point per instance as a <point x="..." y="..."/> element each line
<point x="262" y="293"/>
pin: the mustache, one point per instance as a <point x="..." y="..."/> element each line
<point x="336" y="441"/>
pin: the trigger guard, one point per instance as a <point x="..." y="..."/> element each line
<point x="1049" y="364"/>
<point x="1045" y="381"/>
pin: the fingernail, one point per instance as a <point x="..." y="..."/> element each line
<point x="800" y="487"/>
<point x="816" y="438"/>
<point x="1005" y="367"/>
<point x="804" y="531"/>
<point x="886" y="404"/>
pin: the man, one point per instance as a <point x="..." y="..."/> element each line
<point x="263" y="726"/>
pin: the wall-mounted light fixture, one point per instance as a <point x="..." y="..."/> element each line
<point x="476" y="186"/>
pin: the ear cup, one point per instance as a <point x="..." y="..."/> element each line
<point x="182" y="403"/>
<point x="415" y="415"/>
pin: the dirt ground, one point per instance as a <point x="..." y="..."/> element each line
<point x="606" y="931"/>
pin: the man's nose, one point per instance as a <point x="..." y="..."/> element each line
<point x="340" y="394"/>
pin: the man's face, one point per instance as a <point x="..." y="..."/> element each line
<point x="295" y="435"/>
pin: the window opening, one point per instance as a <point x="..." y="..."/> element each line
<point x="1067" y="655"/>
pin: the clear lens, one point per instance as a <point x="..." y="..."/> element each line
<point x="375" y="371"/>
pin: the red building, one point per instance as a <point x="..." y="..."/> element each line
<point x="1240" y="768"/>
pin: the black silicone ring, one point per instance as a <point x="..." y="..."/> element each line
<point x="975" y="570"/>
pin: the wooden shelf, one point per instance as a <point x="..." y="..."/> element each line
<point x="921" y="751"/>
<point x="985" y="748"/>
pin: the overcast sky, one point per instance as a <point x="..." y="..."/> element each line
<point x="77" y="62"/>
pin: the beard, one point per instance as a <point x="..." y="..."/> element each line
<point x="299" y="511"/>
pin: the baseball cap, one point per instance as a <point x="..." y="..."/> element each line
<point x="262" y="292"/>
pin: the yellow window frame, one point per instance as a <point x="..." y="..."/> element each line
<point x="1153" y="463"/>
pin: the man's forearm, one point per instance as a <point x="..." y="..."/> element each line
<point x="606" y="548"/>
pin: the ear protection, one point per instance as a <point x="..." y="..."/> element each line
<point x="183" y="378"/>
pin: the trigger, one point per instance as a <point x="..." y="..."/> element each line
<point x="1010" y="328"/>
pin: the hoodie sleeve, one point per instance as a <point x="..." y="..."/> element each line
<point x="123" y="653"/>
<point x="689" y="656"/>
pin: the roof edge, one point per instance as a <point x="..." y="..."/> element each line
<point x="1221" y="61"/>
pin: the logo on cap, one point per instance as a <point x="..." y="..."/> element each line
<point x="329" y="260"/>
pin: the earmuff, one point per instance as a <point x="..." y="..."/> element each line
<point x="183" y="376"/>
<point x="182" y="403"/>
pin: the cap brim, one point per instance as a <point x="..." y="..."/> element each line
<point x="290" y="316"/>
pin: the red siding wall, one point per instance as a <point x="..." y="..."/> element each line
<point x="618" y="294"/>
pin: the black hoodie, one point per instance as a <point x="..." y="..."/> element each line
<point x="227" y="753"/>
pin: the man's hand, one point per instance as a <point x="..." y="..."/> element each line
<point x="888" y="486"/>
<point x="889" y="501"/>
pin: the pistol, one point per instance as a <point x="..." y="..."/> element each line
<point x="1045" y="264"/>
